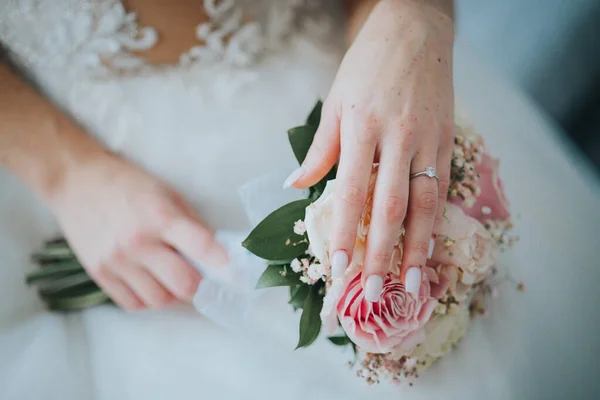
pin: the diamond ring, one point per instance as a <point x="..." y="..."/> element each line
<point x="429" y="172"/>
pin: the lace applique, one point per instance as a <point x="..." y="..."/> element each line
<point x="80" y="34"/>
<point x="100" y="36"/>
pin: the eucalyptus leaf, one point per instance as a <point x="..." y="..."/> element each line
<point x="274" y="237"/>
<point x="314" y="118"/>
<point x="298" y="296"/>
<point x="310" y="321"/>
<point x="278" y="275"/>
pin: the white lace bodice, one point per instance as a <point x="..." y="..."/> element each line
<point x="207" y="124"/>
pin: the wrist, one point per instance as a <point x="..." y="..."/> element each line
<point x="62" y="152"/>
<point x="78" y="154"/>
<point x="430" y="16"/>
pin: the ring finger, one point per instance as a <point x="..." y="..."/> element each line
<point x="422" y="208"/>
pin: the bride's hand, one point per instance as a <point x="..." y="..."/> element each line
<point x="391" y="103"/>
<point x="129" y="231"/>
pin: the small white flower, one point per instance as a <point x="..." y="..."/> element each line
<point x="305" y="263"/>
<point x="296" y="265"/>
<point x="299" y="227"/>
<point x="410" y="362"/>
<point x="306" y="280"/>
<point x="314" y="272"/>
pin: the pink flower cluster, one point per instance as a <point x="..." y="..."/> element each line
<point x="463" y="256"/>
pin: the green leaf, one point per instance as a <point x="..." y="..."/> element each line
<point x="65" y="283"/>
<point x="301" y="137"/>
<point x="274" y="237"/>
<point x="278" y="275"/>
<point x="314" y="117"/>
<point x="298" y="296"/>
<point x="340" y="340"/>
<point x="310" y="321"/>
<point x="78" y="298"/>
<point x="53" y="271"/>
<point x="53" y="253"/>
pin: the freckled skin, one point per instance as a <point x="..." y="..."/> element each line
<point x="394" y="87"/>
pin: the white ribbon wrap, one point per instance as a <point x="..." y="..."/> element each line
<point x="228" y="295"/>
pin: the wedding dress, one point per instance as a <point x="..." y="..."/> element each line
<point x="208" y="125"/>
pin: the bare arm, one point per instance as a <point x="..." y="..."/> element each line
<point x="359" y="10"/>
<point x="127" y="228"/>
<point x="38" y="143"/>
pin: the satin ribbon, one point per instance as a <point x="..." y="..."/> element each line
<point x="227" y="295"/>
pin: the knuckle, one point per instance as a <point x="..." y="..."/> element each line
<point x="382" y="258"/>
<point x="367" y="127"/>
<point x="395" y="208"/>
<point x="135" y="241"/>
<point x="426" y="202"/>
<point x="353" y="196"/>
<point x="420" y="247"/>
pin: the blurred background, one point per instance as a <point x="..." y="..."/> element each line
<point x="551" y="50"/>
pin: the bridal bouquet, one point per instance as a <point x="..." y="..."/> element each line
<point x="396" y="337"/>
<point x="400" y="335"/>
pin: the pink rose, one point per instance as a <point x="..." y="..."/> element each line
<point x="463" y="242"/>
<point x="492" y="202"/>
<point x="394" y="323"/>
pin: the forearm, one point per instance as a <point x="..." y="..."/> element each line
<point x="38" y="143"/>
<point x="359" y="10"/>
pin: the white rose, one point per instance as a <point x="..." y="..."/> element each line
<point x="318" y="221"/>
<point x="442" y="332"/>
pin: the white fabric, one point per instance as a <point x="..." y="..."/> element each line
<point x="206" y="129"/>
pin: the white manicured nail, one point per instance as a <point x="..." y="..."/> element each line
<point x="412" y="280"/>
<point x="431" y="247"/>
<point x="339" y="263"/>
<point x="294" y="176"/>
<point x="373" y="288"/>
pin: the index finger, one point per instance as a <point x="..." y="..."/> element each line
<point x="195" y="241"/>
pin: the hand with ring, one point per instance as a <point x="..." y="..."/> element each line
<point x="391" y="103"/>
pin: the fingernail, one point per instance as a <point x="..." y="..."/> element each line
<point x="431" y="247"/>
<point x="294" y="176"/>
<point x="412" y="280"/>
<point x="339" y="263"/>
<point x="373" y="288"/>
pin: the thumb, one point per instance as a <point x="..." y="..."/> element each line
<point x="321" y="157"/>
